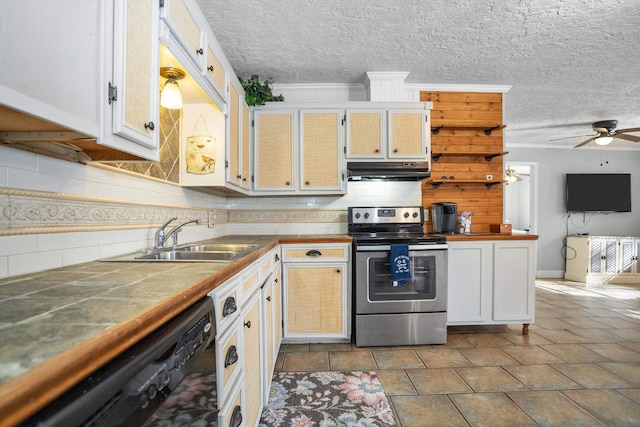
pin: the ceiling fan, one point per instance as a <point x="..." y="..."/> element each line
<point x="607" y="132"/>
<point x="511" y="176"/>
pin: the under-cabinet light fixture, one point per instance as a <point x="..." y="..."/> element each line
<point x="171" y="96"/>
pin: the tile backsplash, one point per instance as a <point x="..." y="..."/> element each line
<point x="55" y="213"/>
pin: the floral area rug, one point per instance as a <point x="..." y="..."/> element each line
<point x="193" y="403"/>
<point x="325" y="399"/>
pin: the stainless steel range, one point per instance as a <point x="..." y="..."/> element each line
<point x="388" y="313"/>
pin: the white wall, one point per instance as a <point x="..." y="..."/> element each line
<point x="554" y="223"/>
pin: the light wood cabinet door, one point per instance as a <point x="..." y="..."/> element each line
<point x="133" y="92"/>
<point x="407" y="134"/>
<point x="320" y="150"/>
<point x="233" y="157"/>
<point x="245" y="142"/>
<point x="315" y="300"/>
<point x="186" y="29"/>
<point x="366" y="134"/>
<point x="277" y="310"/>
<point x="274" y="139"/>
<point x="214" y="72"/>
<point x="251" y="349"/>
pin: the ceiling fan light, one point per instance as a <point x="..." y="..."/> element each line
<point x="604" y="139"/>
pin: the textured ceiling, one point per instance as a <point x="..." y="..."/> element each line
<point x="569" y="62"/>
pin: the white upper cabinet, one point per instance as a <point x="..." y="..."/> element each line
<point x="50" y="53"/>
<point x="131" y="101"/>
<point x="388" y="131"/>
<point x="298" y="151"/>
<point x="189" y="27"/>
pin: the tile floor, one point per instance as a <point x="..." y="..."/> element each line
<point x="579" y="365"/>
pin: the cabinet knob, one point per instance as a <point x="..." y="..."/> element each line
<point x="376" y="150"/>
<point x="238" y="176"/>
<point x="268" y="298"/>
<point x="276" y="280"/>
<point x="244" y="179"/>
<point x="210" y="68"/>
<point x="338" y="270"/>
<point x="395" y="150"/>
<point x="247" y="323"/>
<point x="307" y="183"/>
<point x="277" y="258"/>
<point x="200" y="51"/>
<point x="149" y="126"/>
<point x="288" y="183"/>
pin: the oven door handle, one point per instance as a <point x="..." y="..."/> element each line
<point x="378" y="248"/>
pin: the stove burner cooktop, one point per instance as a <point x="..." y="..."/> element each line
<point x="389" y="225"/>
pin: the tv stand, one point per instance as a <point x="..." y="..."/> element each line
<point x="602" y="259"/>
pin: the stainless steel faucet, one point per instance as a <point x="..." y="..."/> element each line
<point x="161" y="237"/>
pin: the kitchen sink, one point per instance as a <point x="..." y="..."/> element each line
<point x="189" y="256"/>
<point x="204" y="252"/>
<point x="217" y="247"/>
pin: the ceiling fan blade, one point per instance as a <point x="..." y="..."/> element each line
<point x="568" y="137"/>
<point x="628" y="137"/>
<point x="628" y="130"/>
<point x="585" y="142"/>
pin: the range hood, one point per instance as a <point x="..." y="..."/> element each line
<point x="388" y="171"/>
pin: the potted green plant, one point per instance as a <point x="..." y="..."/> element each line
<point x="257" y="93"/>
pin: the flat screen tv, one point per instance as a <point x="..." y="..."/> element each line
<point x="599" y="192"/>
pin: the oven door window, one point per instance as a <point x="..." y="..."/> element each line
<point x="421" y="286"/>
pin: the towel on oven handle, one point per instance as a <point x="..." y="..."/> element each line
<point x="400" y="264"/>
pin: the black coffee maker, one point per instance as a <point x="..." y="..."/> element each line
<point x="444" y="216"/>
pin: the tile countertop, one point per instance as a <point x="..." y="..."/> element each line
<point x="58" y="326"/>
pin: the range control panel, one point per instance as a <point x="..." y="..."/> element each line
<point x="389" y="215"/>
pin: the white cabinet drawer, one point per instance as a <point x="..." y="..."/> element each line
<point x="228" y="360"/>
<point x="227" y="302"/>
<point x="232" y="410"/>
<point x="316" y="252"/>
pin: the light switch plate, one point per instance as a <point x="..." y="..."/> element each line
<point x="211" y="216"/>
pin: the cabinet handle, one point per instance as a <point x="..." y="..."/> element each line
<point x="236" y="417"/>
<point x="210" y="68"/>
<point x="231" y="357"/>
<point x="268" y="298"/>
<point x="247" y="323"/>
<point x="314" y="252"/>
<point x="200" y="51"/>
<point x="229" y="306"/>
<point x="149" y="126"/>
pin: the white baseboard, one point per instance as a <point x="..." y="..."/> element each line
<point x="550" y="274"/>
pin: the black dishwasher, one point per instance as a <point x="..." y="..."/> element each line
<point x="129" y="389"/>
